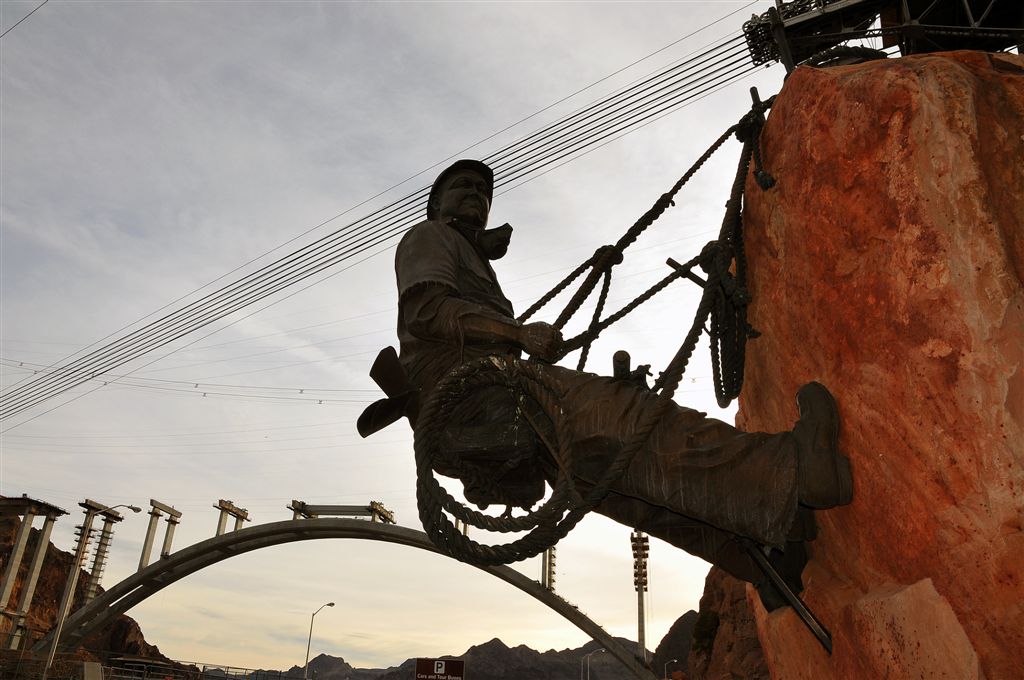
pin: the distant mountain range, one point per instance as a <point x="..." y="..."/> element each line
<point x="492" y="660"/>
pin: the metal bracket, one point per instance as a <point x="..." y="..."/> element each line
<point x="686" y="271"/>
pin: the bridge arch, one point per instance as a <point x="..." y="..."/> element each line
<point x="157" y="576"/>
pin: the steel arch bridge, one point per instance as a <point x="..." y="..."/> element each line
<point x="157" y="576"/>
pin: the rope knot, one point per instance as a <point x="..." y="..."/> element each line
<point x="714" y="258"/>
<point x="607" y="257"/>
<point x="764" y="180"/>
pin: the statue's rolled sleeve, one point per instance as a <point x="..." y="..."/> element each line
<point x="433" y="310"/>
<point x="428" y="254"/>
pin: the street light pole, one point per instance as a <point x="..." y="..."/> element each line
<point x="305" y="667"/>
<point x="664" y="671"/>
<point x="587" y="657"/>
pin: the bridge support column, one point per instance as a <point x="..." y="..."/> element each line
<point x="29" y="589"/>
<point x="172" y="521"/>
<point x="110" y="515"/>
<point x="228" y="508"/>
<point x="27" y="509"/>
<point x="14" y="563"/>
<point x="84" y="534"/>
<point x="147" y="544"/>
<point x="99" y="560"/>
<point x="155" y="514"/>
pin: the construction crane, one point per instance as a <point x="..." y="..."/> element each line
<point x="805" y="31"/>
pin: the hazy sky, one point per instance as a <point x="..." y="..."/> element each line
<point x="149" y="148"/>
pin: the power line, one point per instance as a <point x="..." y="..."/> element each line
<point x="406" y="180"/>
<point x="23" y="18"/>
<point x="77" y="437"/>
<point x="616" y="114"/>
<point x="411" y="202"/>
<point x="280" y="394"/>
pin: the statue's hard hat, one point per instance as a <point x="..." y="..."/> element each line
<point x="465" y="164"/>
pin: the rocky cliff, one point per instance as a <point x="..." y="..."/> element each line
<point x="887" y="264"/>
<point x="724" y="643"/>
<point x="674" y="648"/>
<point x="122" y="637"/>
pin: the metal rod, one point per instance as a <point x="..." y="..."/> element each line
<point x="779" y="33"/>
<point x="685" y="271"/>
<point x="805" y="614"/>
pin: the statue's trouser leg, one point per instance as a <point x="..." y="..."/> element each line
<point x="718" y="547"/>
<point x="703" y="471"/>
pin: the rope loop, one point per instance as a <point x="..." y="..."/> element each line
<point x="565" y="507"/>
<point x="721" y="313"/>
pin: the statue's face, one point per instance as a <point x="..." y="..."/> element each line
<point x="464" y="195"/>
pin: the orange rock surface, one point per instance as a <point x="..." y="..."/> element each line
<point x="887" y="263"/>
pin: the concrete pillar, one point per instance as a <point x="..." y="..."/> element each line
<point x="28" y="591"/>
<point x="155" y="513"/>
<point x="99" y="561"/>
<point x="17" y="552"/>
<point x="84" y="535"/>
<point x="172" y="522"/>
<point x="229" y="508"/>
<point x="222" y="521"/>
<point x="66" y="599"/>
<point x="147" y="544"/>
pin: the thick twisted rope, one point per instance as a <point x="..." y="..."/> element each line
<point x="607" y="257"/>
<point x="724" y="301"/>
<point x="558" y="515"/>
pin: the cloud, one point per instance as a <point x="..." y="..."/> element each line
<point x="149" y="148"/>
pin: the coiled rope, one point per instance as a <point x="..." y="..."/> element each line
<point x="724" y="301"/>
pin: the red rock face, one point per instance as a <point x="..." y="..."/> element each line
<point x="887" y="264"/>
<point x="725" y="644"/>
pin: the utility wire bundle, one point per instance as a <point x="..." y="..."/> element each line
<point x="560" y="142"/>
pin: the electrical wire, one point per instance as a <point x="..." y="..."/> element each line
<point x="23" y="18"/>
<point x="411" y="177"/>
<point x="211" y="392"/>
<point x="652" y="117"/>
<point x="379" y="227"/>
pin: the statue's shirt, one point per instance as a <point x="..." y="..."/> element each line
<point x="442" y="277"/>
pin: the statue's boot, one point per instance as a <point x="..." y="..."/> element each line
<point x="823" y="473"/>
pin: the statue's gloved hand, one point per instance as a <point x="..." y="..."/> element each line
<point x="541" y="340"/>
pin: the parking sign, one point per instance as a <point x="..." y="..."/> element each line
<point x="440" y="669"/>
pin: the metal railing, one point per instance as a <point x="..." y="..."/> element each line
<point x="23" y="665"/>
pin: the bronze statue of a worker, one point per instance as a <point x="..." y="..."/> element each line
<point x="698" y="483"/>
